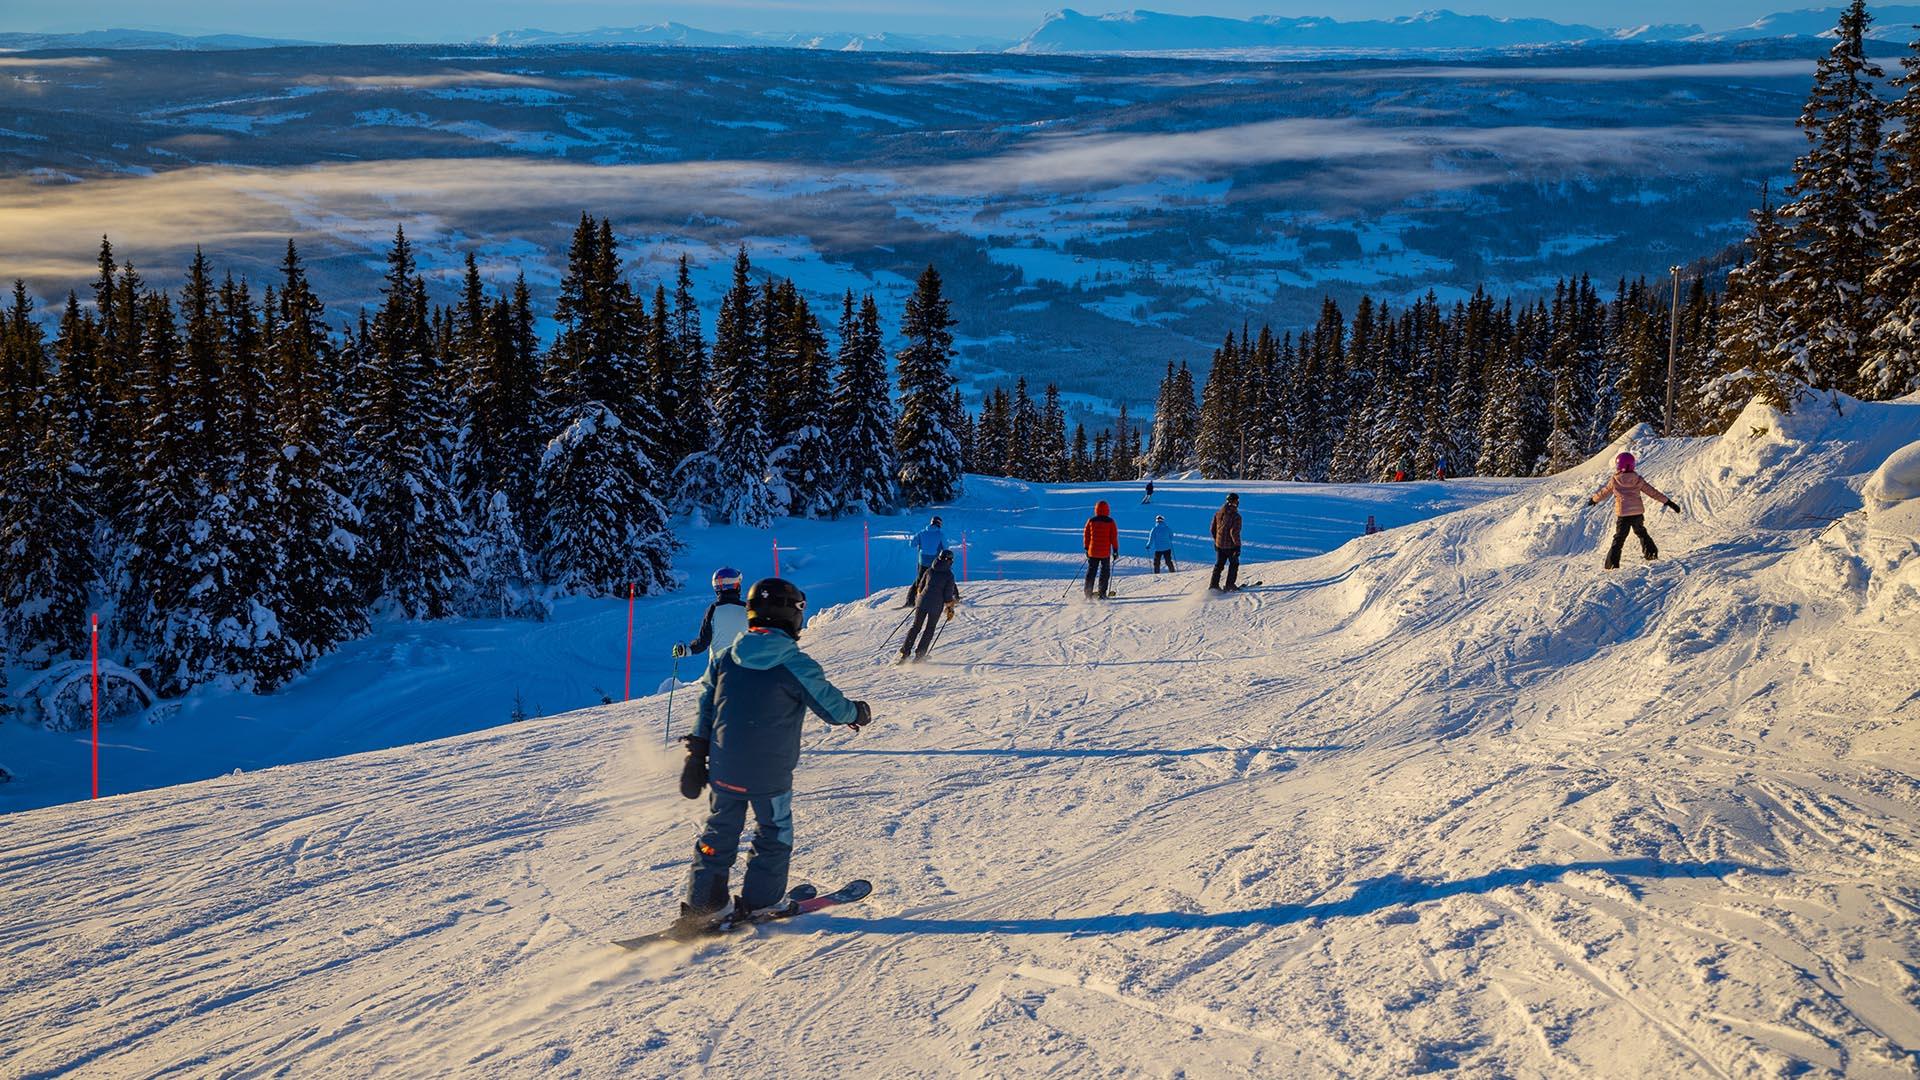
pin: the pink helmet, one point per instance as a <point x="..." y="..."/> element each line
<point x="1623" y="463"/>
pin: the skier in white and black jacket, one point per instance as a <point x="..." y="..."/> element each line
<point x="726" y="617"/>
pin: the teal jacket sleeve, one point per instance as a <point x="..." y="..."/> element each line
<point x="827" y="703"/>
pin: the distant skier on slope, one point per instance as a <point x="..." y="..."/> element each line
<point x="743" y="750"/>
<point x="1160" y="543"/>
<point x="938" y="591"/>
<point x="1372" y="526"/>
<point x="1226" y="544"/>
<point x="928" y="543"/>
<point x="1148" y="497"/>
<point x="1627" y="487"/>
<point x="1440" y="469"/>
<point x="1101" y="539"/>
<point x="726" y="617"/>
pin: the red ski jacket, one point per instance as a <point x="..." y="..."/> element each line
<point x="1101" y="535"/>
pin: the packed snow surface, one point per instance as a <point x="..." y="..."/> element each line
<point x="1447" y="797"/>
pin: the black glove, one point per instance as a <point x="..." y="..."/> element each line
<point x="1673" y="506"/>
<point x="862" y="715"/>
<point x="693" y="774"/>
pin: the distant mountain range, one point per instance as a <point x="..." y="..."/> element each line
<point x="138" y="39"/>
<point x="1069" y="31"/>
<point x="672" y="33"/>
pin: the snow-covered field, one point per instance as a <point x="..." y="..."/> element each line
<point x="1449" y="797"/>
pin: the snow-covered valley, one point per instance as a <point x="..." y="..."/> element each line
<point x="1449" y="797"/>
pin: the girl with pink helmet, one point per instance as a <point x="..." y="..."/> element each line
<point x="1629" y="490"/>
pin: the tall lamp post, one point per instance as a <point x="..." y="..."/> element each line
<point x="1673" y="350"/>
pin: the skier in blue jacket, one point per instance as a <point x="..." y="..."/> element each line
<point x="1160" y="543"/>
<point x="726" y="617"/>
<point x="743" y="750"/>
<point x="928" y="543"/>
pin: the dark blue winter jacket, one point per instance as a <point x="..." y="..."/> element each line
<point x="937" y="590"/>
<point x="753" y="700"/>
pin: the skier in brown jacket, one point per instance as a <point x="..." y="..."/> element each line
<point x="1226" y="544"/>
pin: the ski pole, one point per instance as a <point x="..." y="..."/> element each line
<point x="937" y="631"/>
<point x="666" y="733"/>
<point x="896" y="628"/>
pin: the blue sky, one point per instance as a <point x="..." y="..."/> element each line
<point x="452" y="20"/>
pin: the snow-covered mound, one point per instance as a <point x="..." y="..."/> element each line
<point x="1448" y="797"/>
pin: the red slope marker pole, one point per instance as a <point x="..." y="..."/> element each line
<point x="866" y="559"/>
<point x="626" y="690"/>
<point x="776" y="556"/>
<point x="96" y="705"/>
<point x="963" y="555"/>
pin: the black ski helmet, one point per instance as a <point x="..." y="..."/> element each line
<point x="945" y="558"/>
<point x="778" y="603"/>
<point x="935" y="523"/>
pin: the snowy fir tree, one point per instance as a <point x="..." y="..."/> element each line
<point x="45" y="530"/>
<point x="927" y="450"/>
<point x="1833" y="221"/>
<point x="692" y="418"/>
<point x="1892" y="363"/>
<point x="1753" y="358"/>
<point x="731" y="480"/>
<point x="800" y="388"/>
<point x="1176" y="419"/>
<point x="413" y="529"/>
<point x="862" y="412"/>
<point x="603" y="530"/>
<point x="502" y="582"/>
<point x="318" y="528"/>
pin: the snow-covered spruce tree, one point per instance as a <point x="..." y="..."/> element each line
<point x="730" y="481"/>
<point x="863" y="412"/>
<point x="927" y="452"/>
<point x="45" y="569"/>
<point x="1833" y="220"/>
<point x="802" y="365"/>
<point x="1639" y="357"/>
<point x="1024" y="436"/>
<point x="496" y="379"/>
<point x="503" y="584"/>
<point x="1754" y="357"/>
<point x="412" y="524"/>
<point x="1348" y="462"/>
<point x="1161" y="450"/>
<point x="1218" y="442"/>
<point x="247" y="599"/>
<point x="1892" y="364"/>
<point x="164" y="549"/>
<point x="318" y="528"/>
<point x="692" y="425"/>
<point x="603" y="528"/>
<point x="1053" y="437"/>
<point x="1573" y="360"/>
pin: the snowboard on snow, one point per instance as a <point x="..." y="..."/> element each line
<point x="801" y="900"/>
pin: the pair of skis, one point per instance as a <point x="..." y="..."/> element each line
<point x="801" y="900"/>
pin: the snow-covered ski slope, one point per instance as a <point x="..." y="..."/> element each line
<point x="1449" y="797"/>
<point x="411" y="681"/>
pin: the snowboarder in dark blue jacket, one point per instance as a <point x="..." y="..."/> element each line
<point x="744" y="747"/>
<point x="726" y="617"/>
<point x="937" y="592"/>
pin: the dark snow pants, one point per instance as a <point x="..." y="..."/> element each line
<point x="913" y="594"/>
<point x="719" y="846"/>
<point x="1101" y="568"/>
<point x="1167" y="556"/>
<point x="1227" y="559"/>
<point x="1637" y="523"/>
<point x="925" y="623"/>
